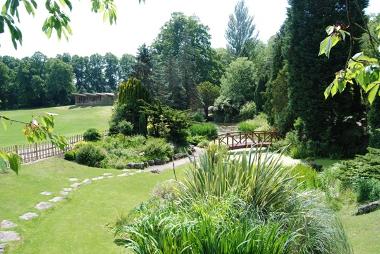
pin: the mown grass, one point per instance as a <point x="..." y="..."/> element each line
<point x="70" y="121"/>
<point x="79" y="224"/>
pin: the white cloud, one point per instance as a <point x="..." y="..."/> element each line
<point x="140" y="23"/>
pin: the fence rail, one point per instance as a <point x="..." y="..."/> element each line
<point x="236" y="140"/>
<point x="34" y="152"/>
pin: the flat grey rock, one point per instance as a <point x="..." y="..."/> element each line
<point x="98" y="178"/>
<point x="28" y="216"/>
<point x="43" y="205"/>
<point x="125" y="174"/>
<point x="73" y="179"/>
<point x="67" y="189"/>
<point x="125" y="170"/>
<point x="110" y="176"/>
<point x="107" y="174"/>
<point x="46" y="193"/>
<point x="9" y="236"/>
<point x="56" y="199"/>
<point x="7" y="224"/>
<point x="64" y="193"/>
<point x="75" y="185"/>
<point x="86" y="181"/>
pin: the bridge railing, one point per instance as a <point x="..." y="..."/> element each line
<point x="236" y="140"/>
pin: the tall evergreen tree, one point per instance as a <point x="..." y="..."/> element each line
<point x="142" y="70"/>
<point x="241" y="32"/>
<point x="331" y="126"/>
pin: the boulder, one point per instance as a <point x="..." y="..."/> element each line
<point x="368" y="208"/>
<point x="56" y="199"/>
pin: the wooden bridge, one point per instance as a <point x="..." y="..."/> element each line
<point x="238" y="140"/>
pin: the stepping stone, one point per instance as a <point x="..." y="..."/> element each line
<point x="73" y="179"/>
<point x="110" y="176"/>
<point x="86" y="181"/>
<point x="64" y="193"/>
<point x="107" y="174"/>
<point x="67" y="189"/>
<point x="131" y="174"/>
<point x="125" y="170"/>
<point x="75" y="185"/>
<point x="9" y="236"/>
<point x="125" y="174"/>
<point x="46" y="193"/>
<point x="28" y="216"/>
<point x="2" y="247"/>
<point x="43" y="205"/>
<point x="98" y="178"/>
<point x="56" y="199"/>
<point x="7" y="224"/>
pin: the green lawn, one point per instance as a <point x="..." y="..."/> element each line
<point x="79" y="224"/>
<point x="70" y="120"/>
<point x="363" y="231"/>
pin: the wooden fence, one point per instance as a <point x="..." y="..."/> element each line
<point x="34" y="152"/>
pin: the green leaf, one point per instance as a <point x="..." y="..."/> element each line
<point x="14" y="162"/>
<point x="373" y="92"/>
<point x="330" y="30"/>
<point x="327" y="44"/>
<point x="328" y="90"/>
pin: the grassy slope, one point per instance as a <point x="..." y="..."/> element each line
<point x="79" y="224"/>
<point x="363" y="230"/>
<point x="69" y="121"/>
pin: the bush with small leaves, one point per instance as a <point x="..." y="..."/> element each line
<point x="207" y="130"/>
<point x="90" y="155"/>
<point x="70" y="155"/>
<point x="92" y="134"/>
<point x="248" y="111"/>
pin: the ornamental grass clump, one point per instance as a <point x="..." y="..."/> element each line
<point x="241" y="204"/>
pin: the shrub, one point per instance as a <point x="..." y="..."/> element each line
<point x="207" y="130"/>
<point x="70" y="155"/>
<point x="374" y="139"/>
<point x="90" y="155"/>
<point x="157" y="148"/>
<point x="367" y="190"/>
<point x="248" y="111"/>
<point x="306" y="176"/>
<point x="259" y="123"/>
<point x="245" y="204"/>
<point x="92" y="135"/>
<point x="125" y="128"/>
<point x="195" y="140"/>
<point x="197" y="117"/>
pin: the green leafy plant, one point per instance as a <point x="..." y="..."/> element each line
<point x="92" y="134"/>
<point x="70" y="155"/>
<point x="248" y="111"/>
<point x="259" y="123"/>
<point x="207" y="130"/>
<point x="90" y="155"/>
<point x="360" y="69"/>
<point x="367" y="190"/>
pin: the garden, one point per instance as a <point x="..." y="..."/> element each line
<point x="262" y="146"/>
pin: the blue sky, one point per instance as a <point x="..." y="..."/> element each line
<point x="140" y="23"/>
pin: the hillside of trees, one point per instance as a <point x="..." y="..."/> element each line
<point x="285" y="78"/>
